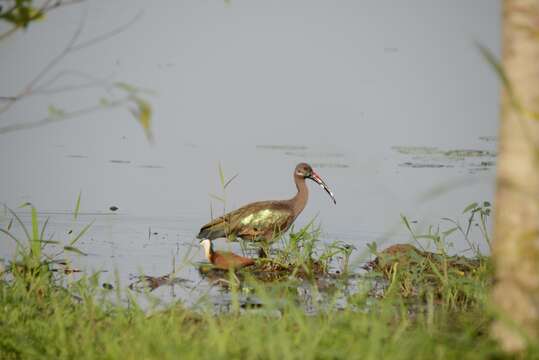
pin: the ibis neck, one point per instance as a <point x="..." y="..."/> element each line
<point x="300" y="200"/>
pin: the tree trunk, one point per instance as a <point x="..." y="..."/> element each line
<point x="516" y="229"/>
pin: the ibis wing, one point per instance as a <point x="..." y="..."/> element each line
<point x="217" y="228"/>
<point x="265" y="221"/>
<point x="254" y="221"/>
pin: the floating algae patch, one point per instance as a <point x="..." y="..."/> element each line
<point x="416" y="150"/>
<point x="464" y="153"/>
<point x="150" y="166"/>
<point x="433" y="151"/>
<point x="423" y="157"/>
<point x="325" y="158"/>
<point x="482" y="166"/>
<point x="120" y="161"/>
<point x="330" y="165"/>
<point x="306" y="154"/>
<point x="282" y="147"/>
<point x="487" y="163"/>
<point x="424" y="165"/>
<point x="474" y="170"/>
<point x="488" y="138"/>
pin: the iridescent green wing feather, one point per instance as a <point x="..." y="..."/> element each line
<point x="263" y="220"/>
<point x="256" y="221"/>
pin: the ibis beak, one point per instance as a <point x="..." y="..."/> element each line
<point x="316" y="178"/>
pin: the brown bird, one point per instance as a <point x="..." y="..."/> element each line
<point x="265" y="221"/>
<point x="224" y="260"/>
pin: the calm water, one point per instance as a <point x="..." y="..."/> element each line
<point x="391" y="104"/>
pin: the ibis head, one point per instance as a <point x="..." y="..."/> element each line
<point x="304" y="170"/>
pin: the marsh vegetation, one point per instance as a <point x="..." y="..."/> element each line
<point x="410" y="303"/>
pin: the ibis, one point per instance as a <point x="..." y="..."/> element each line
<point x="265" y="221"/>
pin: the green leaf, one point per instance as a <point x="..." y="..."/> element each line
<point x="427" y="237"/>
<point x="373" y="247"/>
<point x="449" y="231"/>
<point x="75" y="250"/>
<point x="55" y="112"/>
<point x="407" y="224"/>
<point x="104" y="102"/>
<point x="470" y="207"/>
<point x="221" y="175"/>
<point x="126" y="87"/>
<point x="21" y="15"/>
<point x="77" y="206"/>
<point x="143" y="114"/>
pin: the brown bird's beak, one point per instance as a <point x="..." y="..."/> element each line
<point x="316" y="178"/>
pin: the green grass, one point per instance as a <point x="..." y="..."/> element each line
<point x="42" y="315"/>
<point x="44" y="322"/>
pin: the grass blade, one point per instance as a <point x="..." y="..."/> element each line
<point x="55" y="242"/>
<point x="470" y="207"/>
<point x="21" y="224"/>
<point x="77" y="206"/>
<point x="491" y="59"/>
<point x="81" y="233"/>
<point x="446" y="233"/>
<point x="13" y="237"/>
<point x="230" y="180"/>
<point x="75" y="250"/>
<point x="35" y="225"/>
<point x="36" y="245"/>
<point x="409" y="227"/>
<point x="42" y="234"/>
<point x="221" y="175"/>
<point x="217" y="198"/>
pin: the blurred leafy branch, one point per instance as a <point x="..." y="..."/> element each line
<point x="20" y="14"/>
